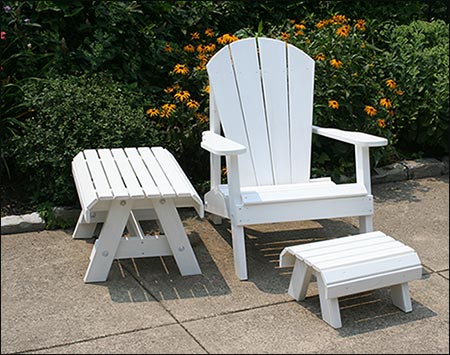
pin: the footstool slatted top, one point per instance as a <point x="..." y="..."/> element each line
<point x="348" y="258"/>
<point x="130" y="173"/>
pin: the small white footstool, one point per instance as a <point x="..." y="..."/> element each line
<point x="350" y="265"/>
<point x="119" y="188"/>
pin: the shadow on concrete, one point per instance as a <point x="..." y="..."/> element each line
<point x="161" y="277"/>
<point x="264" y="245"/>
<point x="369" y="311"/>
<point x="407" y="190"/>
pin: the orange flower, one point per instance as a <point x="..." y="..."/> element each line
<point x="360" y="25"/>
<point x="381" y="123"/>
<point x="391" y="113"/>
<point x="300" y="26"/>
<point x="193" y="104"/>
<point x="320" y="56"/>
<point x="391" y="84"/>
<point x="336" y="63"/>
<point x="206" y="89"/>
<point x="152" y="112"/>
<point x="195" y="35"/>
<point x="182" y="95"/>
<point x="210" y="48"/>
<point x="166" y="110"/>
<point x="209" y="32"/>
<point x="386" y="103"/>
<point x="399" y="92"/>
<point x="343" y="31"/>
<point x="299" y="33"/>
<point x="339" y="19"/>
<point x="168" y="48"/>
<point x="226" y="38"/>
<point x="370" y="110"/>
<point x="201" y="117"/>
<point x="189" y="48"/>
<point x="200" y="48"/>
<point x="285" y="36"/>
<point x="333" y="104"/>
<point x="180" y="69"/>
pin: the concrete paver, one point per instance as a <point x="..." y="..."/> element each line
<point x="45" y="301"/>
<point x="147" y="307"/>
<point x="169" y="339"/>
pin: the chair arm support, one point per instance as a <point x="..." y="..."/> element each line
<point x="219" y="145"/>
<point x="356" y="138"/>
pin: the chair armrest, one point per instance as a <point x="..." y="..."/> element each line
<point x="219" y="145"/>
<point x="356" y="138"/>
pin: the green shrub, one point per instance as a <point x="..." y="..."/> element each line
<point x="418" y="58"/>
<point x="71" y="114"/>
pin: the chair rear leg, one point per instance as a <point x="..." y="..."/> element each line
<point x="217" y="220"/>
<point x="240" y="259"/>
<point x="366" y="224"/>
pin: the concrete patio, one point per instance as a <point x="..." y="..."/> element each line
<point x="147" y="307"/>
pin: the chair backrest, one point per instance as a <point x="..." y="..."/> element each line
<point x="262" y="92"/>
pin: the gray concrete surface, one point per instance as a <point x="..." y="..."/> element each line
<point x="147" y="307"/>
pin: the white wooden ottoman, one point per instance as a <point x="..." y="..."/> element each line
<point x="119" y="188"/>
<point x="350" y="265"/>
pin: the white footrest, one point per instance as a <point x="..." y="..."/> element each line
<point x="350" y="265"/>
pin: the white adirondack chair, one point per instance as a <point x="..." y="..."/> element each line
<point x="261" y="96"/>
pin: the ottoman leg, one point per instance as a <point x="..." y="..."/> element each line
<point x="400" y="297"/>
<point x="301" y="275"/>
<point x="329" y="307"/>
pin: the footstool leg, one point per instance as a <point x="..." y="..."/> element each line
<point x="400" y="297"/>
<point x="177" y="238"/>
<point x="105" y="247"/>
<point x="301" y="275"/>
<point x="329" y="307"/>
<point x="84" y="230"/>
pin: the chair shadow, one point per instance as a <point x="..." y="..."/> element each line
<point x="264" y="247"/>
<point x="160" y="278"/>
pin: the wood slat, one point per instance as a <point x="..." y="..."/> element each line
<point x="112" y="172"/>
<point x="127" y="173"/>
<point x="98" y="175"/>
<point x="83" y="181"/>
<point x="160" y="179"/>
<point x="226" y="96"/>
<point x="248" y="78"/>
<point x="177" y="180"/>
<point x="145" y="179"/>
<point x="370" y="268"/>
<point x="301" y="94"/>
<point x="274" y="77"/>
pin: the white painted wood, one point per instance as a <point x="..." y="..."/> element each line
<point x="178" y="181"/>
<point x="274" y="77"/>
<point x="400" y="297"/>
<point x="301" y="276"/>
<point x="83" y="229"/>
<point x="365" y="224"/>
<point x="83" y="181"/>
<point x="127" y="173"/>
<point x="98" y="175"/>
<point x="177" y="238"/>
<point x="249" y="82"/>
<point x="301" y="94"/>
<point x="373" y="282"/>
<point x="239" y="253"/>
<point x="328" y="306"/>
<point x="298" y="192"/>
<point x="357" y="138"/>
<point x="223" y="82"/>
<point x="379" y="264"/>
<point x="112" y="172"/>
<point x="214" y="126"/>
<point x="219" y="145"/>
<point x="304" y="210"/>
<point x="145" y="247"/>
<point x="143" y="175"/>
<point x="160" y="178"/>
<point x="105" y="246"/>
<point x="134" y="227"/>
